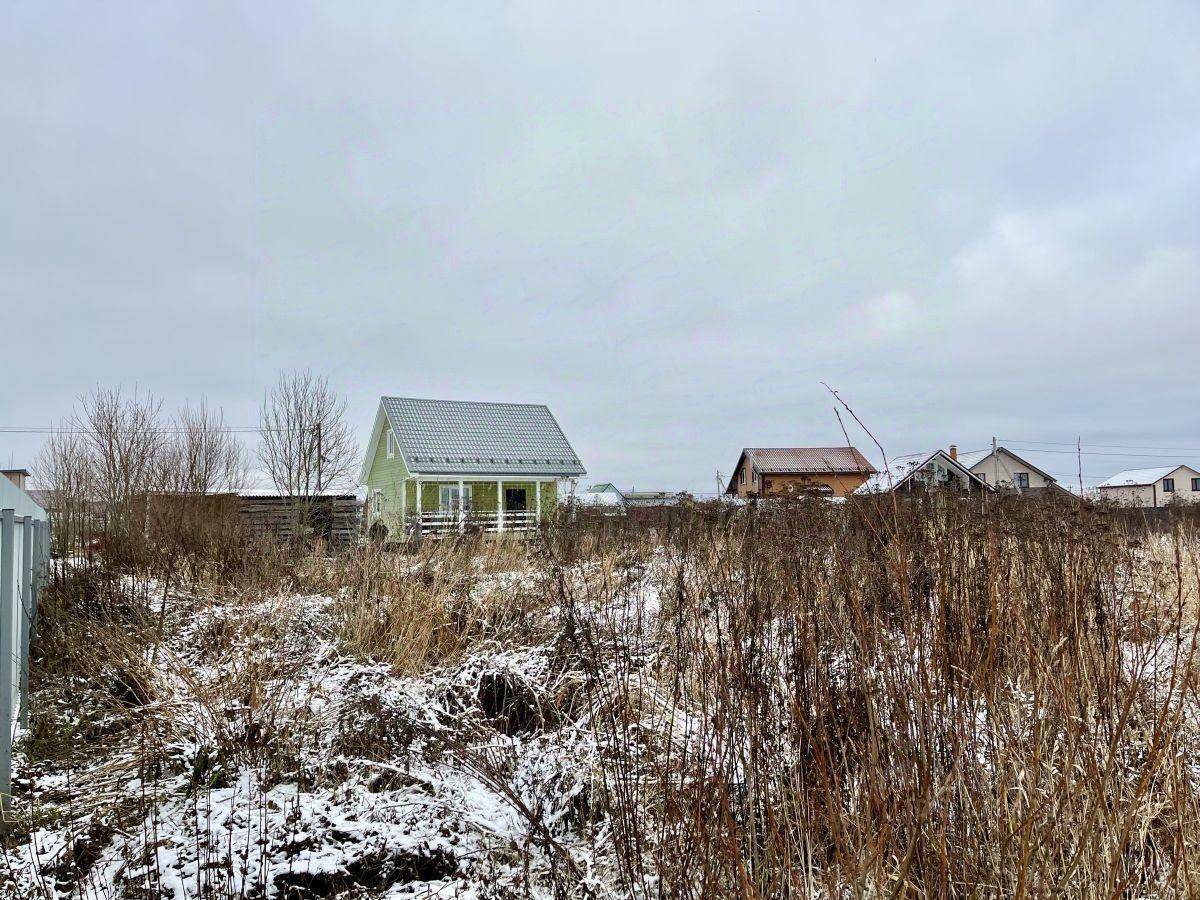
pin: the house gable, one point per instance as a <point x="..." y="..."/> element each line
<point x="902" y="474"/>
<point x="376" y="463"/>
<point x="998" y="467"/>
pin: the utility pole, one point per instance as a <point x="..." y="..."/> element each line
<point x="995" y="464"/>
<point x="1079" y="459"/>
<point x="319" y="460"/>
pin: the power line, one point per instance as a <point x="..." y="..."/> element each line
<point x="1104" y="446"/>
<point x="222" y="430"/>
<point x="1097" y="453"/>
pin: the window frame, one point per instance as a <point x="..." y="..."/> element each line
<point x="445" y="490"/>
<point x="742" y="475"/>
<point x="1021" y="480"/>
<point x="377" y="502"/>
<point x="1168" y="485"/>
<point x="1196" y="485"/>
<point x="391" y="444"/>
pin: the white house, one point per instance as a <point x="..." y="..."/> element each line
<point x="1148" y="488"/>
<point x="606" y="497"/>
<point x="939" y="469"/>
<point x="1003" y="469"/>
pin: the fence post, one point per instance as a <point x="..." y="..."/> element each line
<point x="7" y="572"/>
<point x="41" y="562"/>
<point x="26" y="623"/>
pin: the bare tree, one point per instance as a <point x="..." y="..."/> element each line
<point x="125" y="441"/>
<point x="205" y="457"/>
<point x="306" y="444"/>
<point x="64" y="470"/>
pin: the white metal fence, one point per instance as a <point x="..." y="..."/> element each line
<point x="24" y="560"/>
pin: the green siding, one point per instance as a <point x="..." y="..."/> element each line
<point x="483" y="494"/>
<point x="386" y="476"/>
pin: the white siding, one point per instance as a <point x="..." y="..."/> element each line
<point x="998" y="469"/>
<point x="1153" y="495"/>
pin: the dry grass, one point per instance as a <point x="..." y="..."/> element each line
<point x="936" y="698"/>
<point x="938" y="701"/>
<point x="426" y="609"/>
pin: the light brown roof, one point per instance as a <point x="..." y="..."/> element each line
<point x="809" y="460"/>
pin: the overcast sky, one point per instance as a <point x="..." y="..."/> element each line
<point x="671" y="224"/>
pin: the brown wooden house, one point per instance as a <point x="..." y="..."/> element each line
<point x="798" y="471"/>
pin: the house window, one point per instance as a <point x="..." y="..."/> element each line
<point x="377" y="502"/>
<point x="449" y="499"/>
<point x="742" y="475"/>
<point x="1021" y="480"/>
<point x="391" y="445"/>
<point x="754" y="476"/>
<point x="1168" y="485"/>
<point x="1196" y="484"/>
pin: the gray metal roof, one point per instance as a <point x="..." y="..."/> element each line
<point x="456" y="437"/>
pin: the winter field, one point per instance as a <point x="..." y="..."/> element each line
<point x="934" y="698"/>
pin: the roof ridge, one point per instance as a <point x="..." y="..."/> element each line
<point x="798" y="447"/>
<point x="464" y="402"/>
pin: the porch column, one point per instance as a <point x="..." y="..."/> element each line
<point x="499" y="505"/>
<point x="537" y="503"/>
<point x="403" y="503"/>
<point x="462" y="509"/>
<point x="418" y="500"/>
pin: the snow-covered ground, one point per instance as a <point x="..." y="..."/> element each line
<point x="264" y="761"/>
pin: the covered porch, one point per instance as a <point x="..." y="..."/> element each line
<point x="452" y="504"/>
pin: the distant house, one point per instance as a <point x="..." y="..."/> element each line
<point x="938" y="470"/>
<point x="644" y="499"/>
<point x="784" y="471"/>
<point x="1005" y="471"/>
<point x="1151" y="488"/>
<point x="606" y="497"/>
<point x="448" y="465"/>
<point x="19" y="477"/>
<point x="14" y="496"/>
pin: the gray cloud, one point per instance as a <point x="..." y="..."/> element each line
<point x="670" y="224"/>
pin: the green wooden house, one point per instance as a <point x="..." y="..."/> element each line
<point x="448" y="465"/>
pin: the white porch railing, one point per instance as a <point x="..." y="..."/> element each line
<point x="450" y="521"/>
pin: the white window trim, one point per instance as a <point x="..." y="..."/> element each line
<point x="377" y="502"/>
<point x="450" y="506"/>
<point x="391" y="445"/>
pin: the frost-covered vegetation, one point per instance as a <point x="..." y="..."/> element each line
<point x="925" y="698"/>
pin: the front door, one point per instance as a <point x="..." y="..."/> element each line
<point x="514" y="500"/>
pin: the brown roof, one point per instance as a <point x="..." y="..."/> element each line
<point x="809" y="460"/>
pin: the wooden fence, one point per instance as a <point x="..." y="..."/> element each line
<point x="336" y="518"/>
